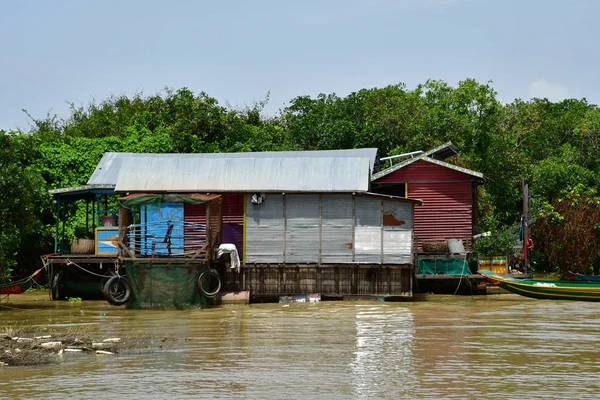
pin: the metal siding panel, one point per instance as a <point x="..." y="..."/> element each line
<point x="155" y="217"/>
<point x="368" y="230"/>
<point x="336" y="241"/>
<point x="233" y="220"/>
<point x="446" y="211"/>
<point x="302" y="228"/>
<point x="264" y="230"/>
<point x="397" y="239"/>
<point x="194" y="213"/>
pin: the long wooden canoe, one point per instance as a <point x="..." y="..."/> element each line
<point x="585" y="278"/>
<point x="542" y="289"/>
<point x="20" y="286"/>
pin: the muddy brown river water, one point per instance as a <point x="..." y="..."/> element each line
<point x="495" y="347"/>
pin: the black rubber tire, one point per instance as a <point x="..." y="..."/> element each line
<point x="105" y="279"/>
<point x="205" y="277"/>
<point x="58" y="292"/>
<point x="117" y="290"/>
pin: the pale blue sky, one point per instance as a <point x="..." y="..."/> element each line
<point x="54" y="52"/>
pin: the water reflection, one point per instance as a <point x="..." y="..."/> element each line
<point x="383" y="356"/>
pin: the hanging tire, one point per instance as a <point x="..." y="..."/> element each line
<point x="105" y="279"/>
<point x="58" y="287"/>
<point x="209" y="283"/>
<point x="117" y="290"/>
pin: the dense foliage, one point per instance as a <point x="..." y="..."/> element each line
<point x="552" y="145"/>
<point x="569" y="231"/>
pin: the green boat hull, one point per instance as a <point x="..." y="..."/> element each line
<point x="550" y="290"/>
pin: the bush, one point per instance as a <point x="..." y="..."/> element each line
<point x="500" y="242"/>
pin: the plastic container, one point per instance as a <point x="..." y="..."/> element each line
<point x="455" y="246"/>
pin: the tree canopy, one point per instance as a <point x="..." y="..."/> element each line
<point x="553" y="146"/>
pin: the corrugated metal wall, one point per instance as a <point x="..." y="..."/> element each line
<point x="328" y="228"/>
<point x="447" y="210"/>
<point x="195" y="213"/>
<point x="367" y="233"/>
<point x="302" y="231"/>
<point x="336" y="230"/>
<point x="397" y="232"/>
<point x="265" y="232"/>
<point x="233" y="219"/>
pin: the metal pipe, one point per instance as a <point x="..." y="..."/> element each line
<point x="412" y="153"/>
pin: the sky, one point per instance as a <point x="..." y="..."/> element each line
<point x="53" y="53"/>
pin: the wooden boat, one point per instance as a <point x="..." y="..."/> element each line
<point x="20" y="286"/>
<point x="542" y="289"/>
<point x="584" y="278"/>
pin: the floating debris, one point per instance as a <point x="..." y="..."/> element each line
<point x="51" y="345"/>
<point x="43" y="337"/>
<point x="70" y="350"/>
<point x="101" y="345"/>
<point x="112" y="340"/>
<point x="103" y="352"/>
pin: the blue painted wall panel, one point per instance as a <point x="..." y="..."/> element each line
<point x="156" y="219"/>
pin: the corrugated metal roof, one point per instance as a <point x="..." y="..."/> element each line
<point x="109" y="166"/>
<point x="155" y="173"/>
<point x="82" y="188"/>
<point x="442" y="151"/>
<point x="455" y="167"/>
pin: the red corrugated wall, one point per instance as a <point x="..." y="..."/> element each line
<point x="447" y="210"/>
<point x="233" y="218"/>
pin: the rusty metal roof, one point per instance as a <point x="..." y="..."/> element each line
<point x="180" y="173"/>
<point x="109" y="166"/>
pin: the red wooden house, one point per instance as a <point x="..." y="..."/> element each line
<point x="449" y="193"/>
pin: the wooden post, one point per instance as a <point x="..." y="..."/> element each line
<point x="87" y="215"/>
<point x="124" y="216"/>
<point x="526" y="233"/>
<point x="62" y="239"/>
